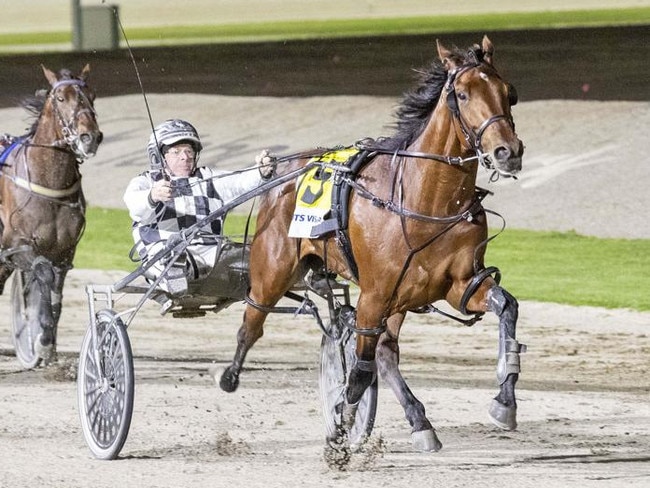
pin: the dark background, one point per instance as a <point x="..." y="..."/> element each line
<point x="585" y="63"/>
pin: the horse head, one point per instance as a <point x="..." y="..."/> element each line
<point x="71" y="102"/>
<point x="480" y="102"/>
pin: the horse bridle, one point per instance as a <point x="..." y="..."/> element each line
<point x="69" y="143"/>
<point x="71" y="137"/>
<point x="473" y="137"/>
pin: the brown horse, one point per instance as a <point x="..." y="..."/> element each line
<point x="42" y="212"/>
<point x="416" y="231"/>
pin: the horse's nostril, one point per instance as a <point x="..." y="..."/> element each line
<point x="85" y="138"/>
<point x="502" y="153"/>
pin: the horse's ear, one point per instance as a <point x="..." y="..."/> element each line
<point x="445" y="56"/>
<point x="488" y="50"/>
<point x="85" y="72"/>
<point x="50" y="75"/>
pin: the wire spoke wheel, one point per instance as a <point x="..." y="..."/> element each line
<point x="337" y="355"/>
<point x="25" y="324"/>
<point x="105" y="386"/>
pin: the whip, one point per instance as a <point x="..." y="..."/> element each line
<point x="158" y="164"/>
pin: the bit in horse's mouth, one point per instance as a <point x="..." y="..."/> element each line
<point x="508" y="173"/>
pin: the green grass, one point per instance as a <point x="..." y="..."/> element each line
<point x="542" y="266"/>
<point x="107" y="240"/>
<point x="305" y="29"/>
<point x="564" y="267"/>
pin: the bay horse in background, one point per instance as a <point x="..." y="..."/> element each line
<point x="416" y="231"/>
<point x="42" y="207"/>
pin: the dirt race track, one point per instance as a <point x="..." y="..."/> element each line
<point x="584" y="417"/>
<point x="584" y="411"/>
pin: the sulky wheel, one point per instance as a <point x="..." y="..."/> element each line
<point x="105" y="386"/>
<point x="336" y="357"/>
<point x="25" y="321"/>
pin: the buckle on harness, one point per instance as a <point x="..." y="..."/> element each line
<point x="468" y="215"/>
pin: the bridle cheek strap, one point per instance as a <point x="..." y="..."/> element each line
<point x="473" y="138"/>
<point x="68" y="131"/>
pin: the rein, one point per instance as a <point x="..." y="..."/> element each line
<point x="467" y="214"/>
<point x="450" y="160"/>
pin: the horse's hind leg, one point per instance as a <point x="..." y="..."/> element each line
<point x="268" y="287"/>
<point x="423" y="434"/>
<point x="248" y="334"/>
<point x="503" y="410"/>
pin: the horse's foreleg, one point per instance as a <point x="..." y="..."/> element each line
<point x="248" y="334"/>
<point x="364" y="371"/>
<point x="503" y="410"/>
<point x="44" y="275"/>
<point x="423" y="435"/>
<point x="56" y="301"/>
<point x="57" y="293"/>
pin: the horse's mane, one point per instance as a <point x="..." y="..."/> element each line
<point x="417" y="104"/>
<point x="35" y="103"/>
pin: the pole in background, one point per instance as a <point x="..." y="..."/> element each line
<point x="77" y="41"/>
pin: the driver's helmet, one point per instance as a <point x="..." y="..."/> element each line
<point x="167" y="134"/>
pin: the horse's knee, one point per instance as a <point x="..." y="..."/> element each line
<point x="501" y="302"/>
<point x="506" y="307"/>
<point x="43" y="271"/>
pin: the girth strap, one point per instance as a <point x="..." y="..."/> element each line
<point x="43" y="190"/>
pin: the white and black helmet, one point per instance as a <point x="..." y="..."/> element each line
<point x="167" y="134"/>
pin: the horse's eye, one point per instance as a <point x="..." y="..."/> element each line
<point x="60" y="99"/>
<point x="461" y="96"/>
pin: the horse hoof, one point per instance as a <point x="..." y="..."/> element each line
<point x="47" y="352"/>
<point x="229" y="381"/>
<point x="502" y="416"/>
<point x="426" y="441"/>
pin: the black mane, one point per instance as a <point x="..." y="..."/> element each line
<point x="34" y="105"/>
<point x="417" y="104"/>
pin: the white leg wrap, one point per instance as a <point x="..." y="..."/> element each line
<point x="509" y="362"/>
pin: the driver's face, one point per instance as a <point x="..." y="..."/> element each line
<point x="180" y="160"/>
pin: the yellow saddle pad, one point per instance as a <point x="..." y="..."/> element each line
<point x="314" y="195"/>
